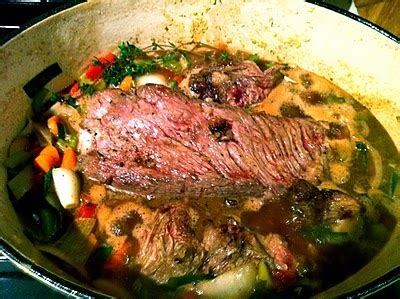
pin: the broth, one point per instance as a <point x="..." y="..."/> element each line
<point x="288" y="239"/>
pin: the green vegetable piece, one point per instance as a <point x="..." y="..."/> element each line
<point x="324" y="235"/>
<point x="334" y="99"/>
<point x="17" y="159"/>
<point x="52" y="199"/>
<point x="394" y="188"/>
<point x="254" y="57"/>
<point x="171" y="61"/>
<point x="172" y="84"/>
<point x="175" y="282"/>
<point x="47" y="182"/>
<point x="22" y="182"/>
<point x="101" y="254"/>
<point x="224" y="56"/>
<point x="129" y="51"/>
<point x="72" y="102"/>
<point x="70" y="141"/>
<point x="73" y="247"/>
<point x="264" y="274"/>
<point x="362" y="156"/>
<point x="87" y="89"/>
<point x="61" y="131"/>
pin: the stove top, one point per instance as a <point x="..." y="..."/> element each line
<point x="15" y="15"/>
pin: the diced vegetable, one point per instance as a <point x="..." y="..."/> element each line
<point x="75" y="246"/>
<point x="394" y="188"/>
<point x="68" y="114"/>
<point x="87" y="211"/>
<point x="236" y="283"/>
<point x="87" y="89"/>
<point x="22" y="182"/>
<point x="47" y="158"/>
<point x="45" y="224"/>
<point x="101" y="254"/>
<point x="61" y="131"/>
<point x="117" y="259"/>
<point x="94" y="72"/>
<point x="53" y="200"/>
<point x="17" y="159"/>
<point x="52" y="124"/>
<point x="70" y="141"/>
<point x="362" y="155"/>
<point x="151" y="79"/>
<point x="67" y="186"/>
<point x="126" y="83"/>
<point x="69" y="159"/>
<point x="264" y="274"/>
<point x="324" y="235"/>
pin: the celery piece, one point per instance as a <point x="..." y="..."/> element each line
<point x="22" y="182"/>
<point x="18" y="158"/>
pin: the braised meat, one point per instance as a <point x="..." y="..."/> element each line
<point x="159" y="141"/>
<point x="239" y="83"/>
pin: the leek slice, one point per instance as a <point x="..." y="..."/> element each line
<point x="74" y="247"/>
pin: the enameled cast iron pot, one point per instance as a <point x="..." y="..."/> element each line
<point x="361" y="60"/>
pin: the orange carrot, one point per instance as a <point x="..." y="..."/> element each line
<point x="126" y="83"/>
<point x="47" y="158"/>
<point x="118" y="258"/>
<point x="69" y="159"/>
<point x="52" y="124"/>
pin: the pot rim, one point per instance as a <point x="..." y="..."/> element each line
<point x="71" y="289"/>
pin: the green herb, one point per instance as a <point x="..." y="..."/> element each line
<point x="254" y="57"/>
<point x="70" y="141"/>
<point x="224" y="56"/>
<point x="171" y="61"/>
<point x="324" y="235"/>
<point x="173" y="84"/>
<point x="87" y="89"/>
<point x="155" y="46"/>
<point x="72" y="102"/>
<point x="129" y="52"/>
<point x="114" y="74"/>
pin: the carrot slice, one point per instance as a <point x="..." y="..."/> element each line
<point x="118" y="259"/>
<point x="126" y="83"/>
<point x="74" y="89"/>
<point x="69" y="159"/>
<point x="47" y="158"/>
<point x="52" y="124"/>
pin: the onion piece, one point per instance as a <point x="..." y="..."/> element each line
<point x="151" y="79"/>
<point x="67" y="186"/>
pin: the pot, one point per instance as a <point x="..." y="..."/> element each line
<point x="363" y="61"/>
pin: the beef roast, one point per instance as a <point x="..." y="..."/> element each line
<point x="157" y="140"/>
<point x="238" y="83"/>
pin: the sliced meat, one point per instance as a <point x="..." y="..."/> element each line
<point x="239" y="83"/>
<point x="170" y="248"/>
<point x="229" y="246"/>
<point x="160" y="141"/>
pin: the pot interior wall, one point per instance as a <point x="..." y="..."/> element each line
<point x="361" y="61"/>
